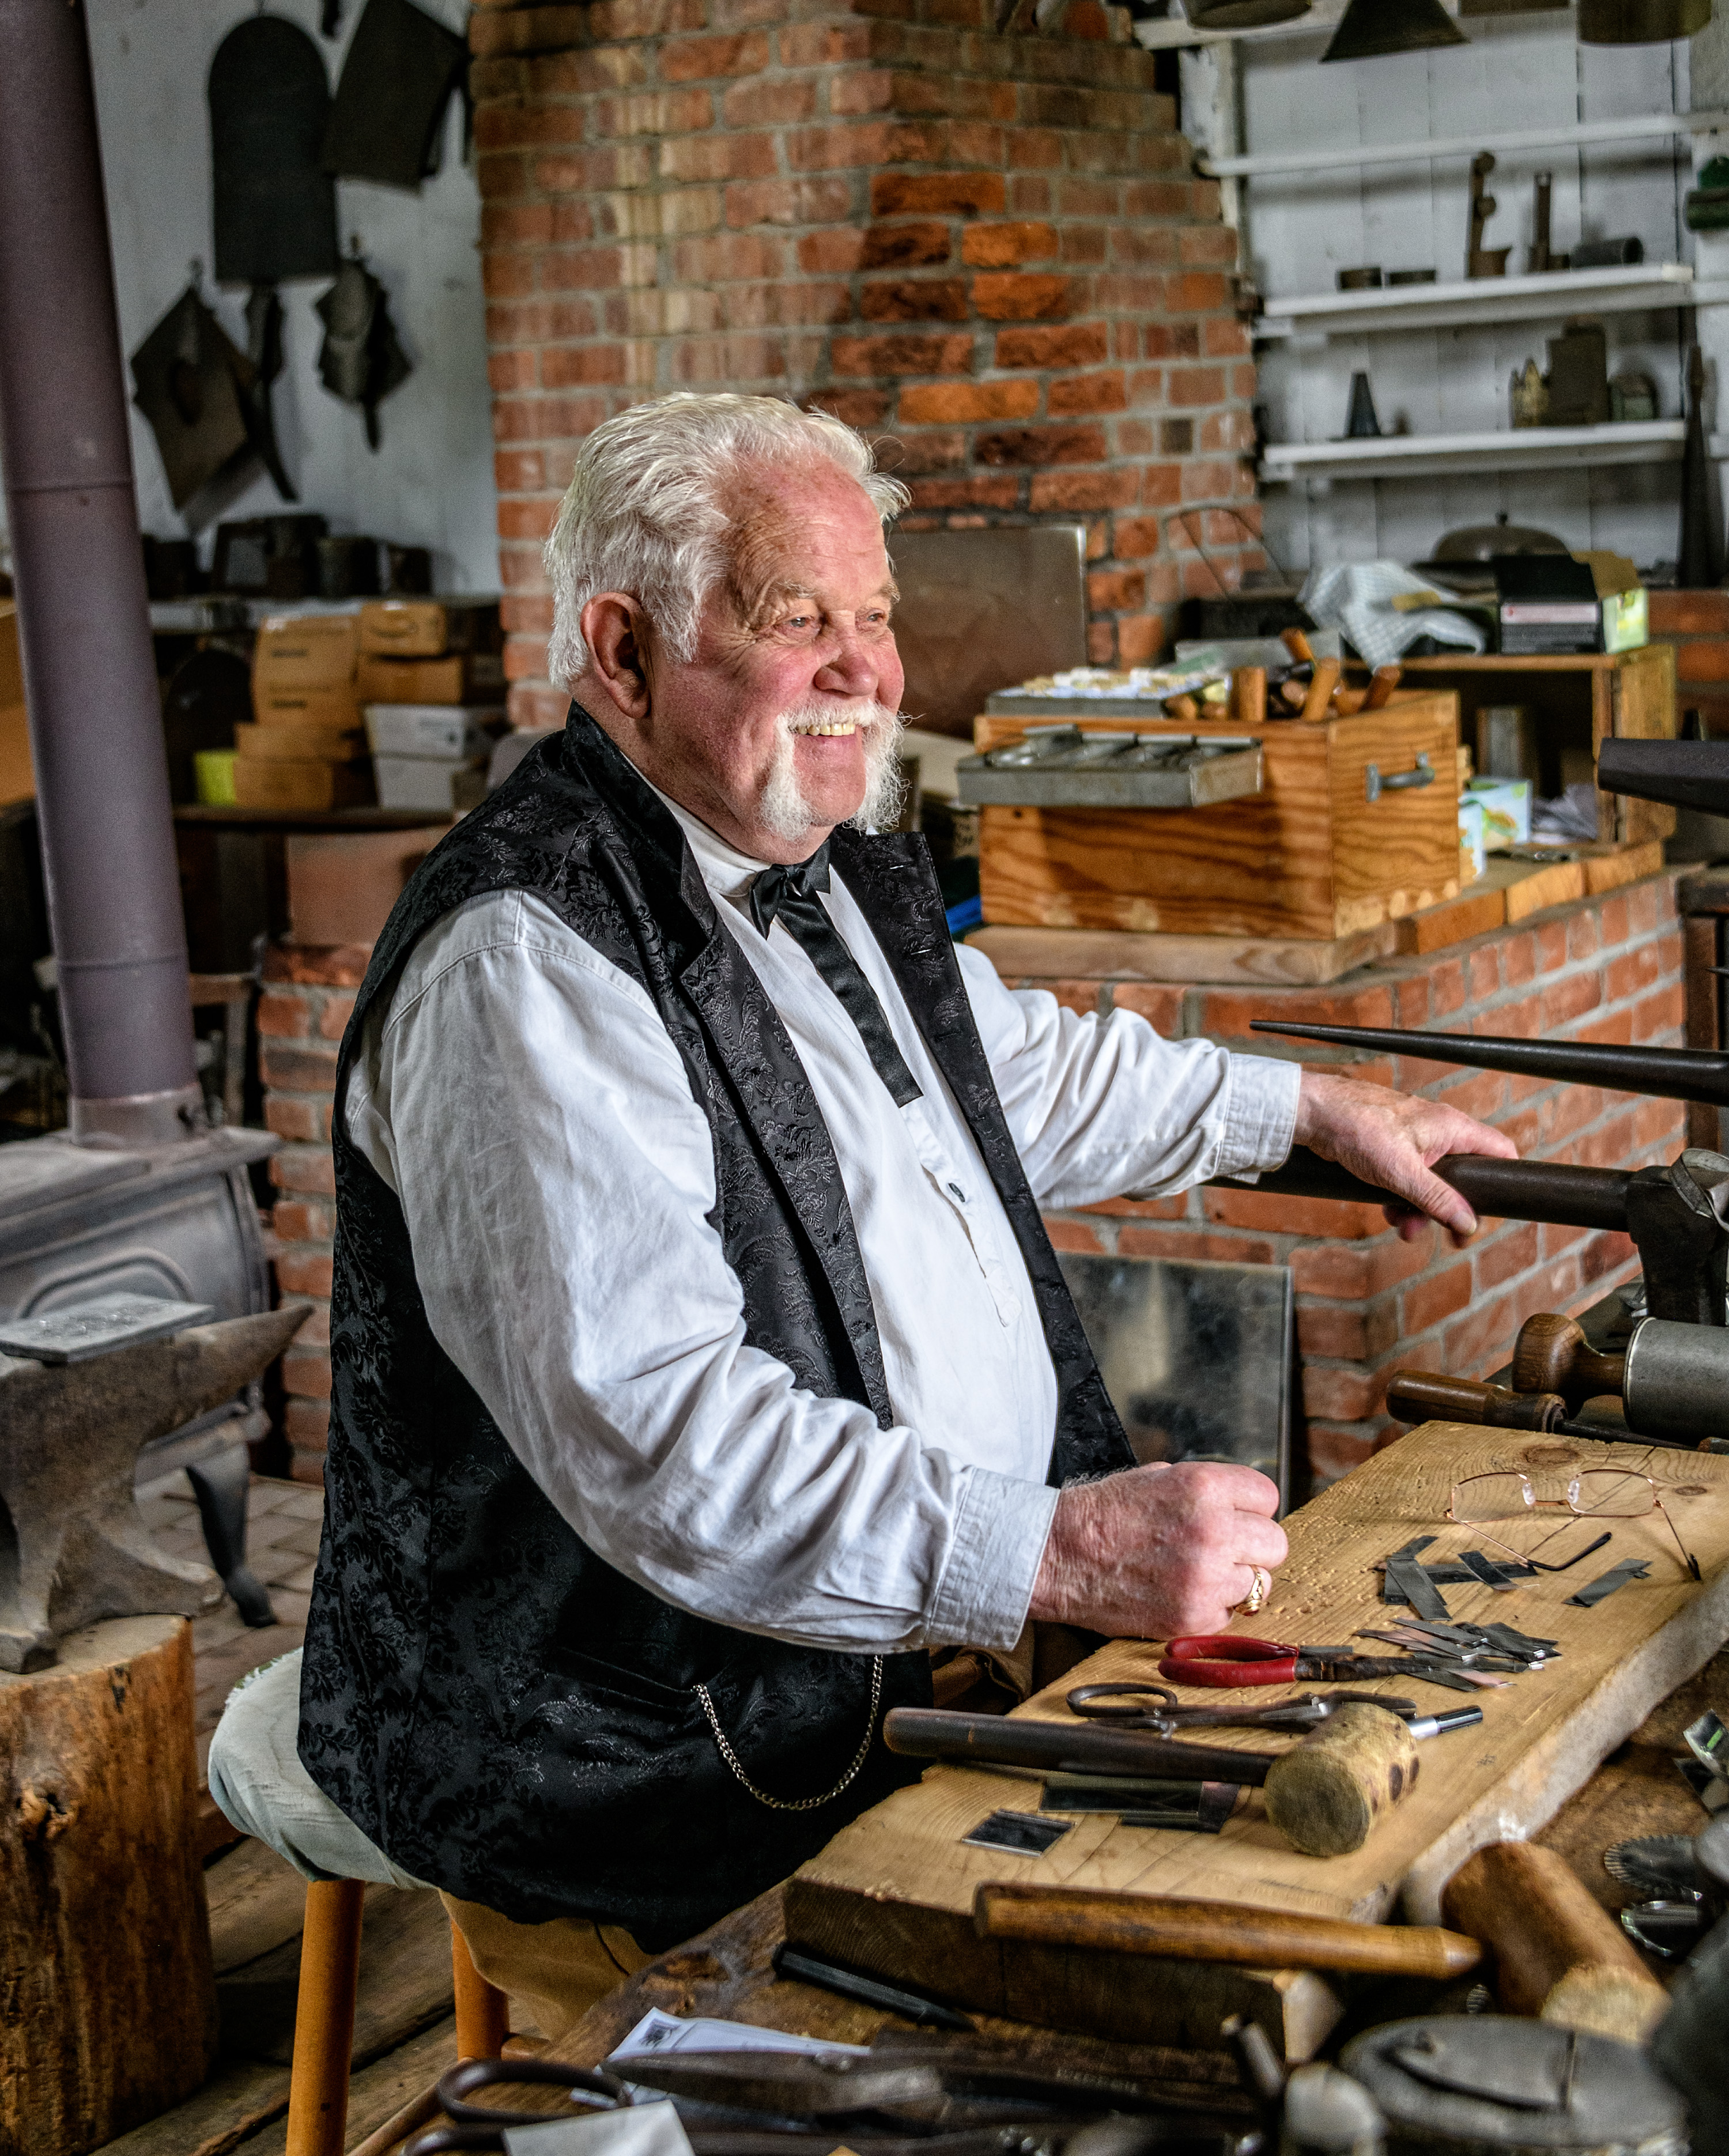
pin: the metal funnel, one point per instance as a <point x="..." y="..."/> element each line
<point x="1369" y="27"/>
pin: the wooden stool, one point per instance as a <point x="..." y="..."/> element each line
<point x="324" y="2015"/>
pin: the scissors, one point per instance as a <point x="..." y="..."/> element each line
<point x="1120" y="1703"/>
<point x="1224" y="1659"/>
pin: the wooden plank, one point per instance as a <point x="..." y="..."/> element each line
<point x="1622" y="865"/>
<point x="1107" y="954"/>
<point x="257" y="1902"/>
<point x="895" y="1887"/>
<point x="1310" y="858"/>
<point x="242" y="2096"/>
<point x="1527" y="887"/>
<point x="1644" y="709"/>
<point x="1478" y="910"/>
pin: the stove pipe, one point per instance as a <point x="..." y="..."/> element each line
<point x="102" y="800"/>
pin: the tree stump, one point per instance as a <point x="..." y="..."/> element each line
<point x="107" y="2001"/>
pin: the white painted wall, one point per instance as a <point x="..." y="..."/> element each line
<point x="430" y="483"/>
<point x="1300" y="229"/>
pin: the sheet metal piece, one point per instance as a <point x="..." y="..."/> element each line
<point x="1069" y="766"/>
<point x="1413" y="1585"/>
<point x="1606" y="1584"/>
<point x="274" y="206"/>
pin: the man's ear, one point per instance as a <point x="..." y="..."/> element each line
<point x="616" y="633"/>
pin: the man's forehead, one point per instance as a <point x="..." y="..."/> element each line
<point x="814" y="537"/>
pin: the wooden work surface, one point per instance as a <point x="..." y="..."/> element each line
<point x="893" y="1892"/>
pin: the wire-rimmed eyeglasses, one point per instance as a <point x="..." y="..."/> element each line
<point x="1595" y="1493"/>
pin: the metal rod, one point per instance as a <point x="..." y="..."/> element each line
<point x="1504" y="1189"/>
<point x="102" y="800"/>
<point x="1667" y="1074"/>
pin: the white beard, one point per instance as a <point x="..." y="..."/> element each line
<point x="784" y="807"/>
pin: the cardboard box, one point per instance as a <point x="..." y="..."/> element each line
<point x="338" y="707"/>
<point x="342" y="884"/>
<point x="446" y="788"/>
<point x="415" y="680"/>
<point x="428" y="628"/>
<point x="289" y="744"/>
<point x="1505" y="806"/>
<point x="315" y="651"/>
<point x="260" y="784"/>
<point x="18" y="774"/>
<point x="452" y="732"/>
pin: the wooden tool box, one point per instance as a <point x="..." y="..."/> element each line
<point x="1338" y="840"/>
<point x="892" y="1894"/>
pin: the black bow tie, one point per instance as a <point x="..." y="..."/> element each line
<point x="789" y="895"/>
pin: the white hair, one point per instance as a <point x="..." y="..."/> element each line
<point x="645" y="511"/>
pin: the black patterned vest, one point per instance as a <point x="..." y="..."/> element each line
<point x="508" y="1717"/>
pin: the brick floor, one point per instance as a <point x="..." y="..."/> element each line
<point x="283" y="1523"/>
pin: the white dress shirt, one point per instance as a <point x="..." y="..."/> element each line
<point x="524" y="1101"/>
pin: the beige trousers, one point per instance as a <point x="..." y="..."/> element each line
<point x="556" y="1971"/>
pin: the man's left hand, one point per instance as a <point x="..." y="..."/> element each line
<point x="1389" y="1139"/>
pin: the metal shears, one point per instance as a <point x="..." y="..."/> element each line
<point x="1226" y="1660"/>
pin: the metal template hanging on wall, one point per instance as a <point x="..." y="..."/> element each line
<point x="360" y="360"/>
<point x="1370" y="27"/>
<point x="1242" y="14"/>
<point x="189" y="380"/>
<point x="401" y="70"/>
<point x="1641" y="22"/>
<point x="274" y="206"/>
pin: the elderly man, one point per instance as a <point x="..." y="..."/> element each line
<point x="700" y="1362"/>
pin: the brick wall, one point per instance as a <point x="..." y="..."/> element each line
<point x="1604" y="969"/>
<point x="989" y="252"/>
<point x="307" y="998"/>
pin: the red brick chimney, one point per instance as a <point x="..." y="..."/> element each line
<point x="988" y="251"/>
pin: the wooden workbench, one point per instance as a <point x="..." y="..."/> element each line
<point x="893" y="1892"/>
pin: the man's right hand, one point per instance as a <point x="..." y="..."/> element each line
<point x="1157" y="1552"/>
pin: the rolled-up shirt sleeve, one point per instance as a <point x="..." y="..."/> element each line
<point x="556" y="1175"/>
<point x="1108" y="1108"/>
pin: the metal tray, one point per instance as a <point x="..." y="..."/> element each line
<point x="1064" y="766"/>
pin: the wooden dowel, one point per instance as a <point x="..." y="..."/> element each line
<point x="1382" y="684"/>
<point x="1248" y="696"/>
<point x="1416" y="1396"/>
<point x="1321" y="689"/>
<point x="1559" y="1953"/>
<point x="483" y="2011"/>
<point x="1217" y="1932"/>
<point x="323" y="2018"/>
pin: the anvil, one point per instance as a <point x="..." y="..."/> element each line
<point x="74" y="1547"/>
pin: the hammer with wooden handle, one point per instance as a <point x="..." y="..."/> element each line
<point x="1324" y="1795"/>
<point x="1559" y="1953"/>
<point x="1217" y="1931"/>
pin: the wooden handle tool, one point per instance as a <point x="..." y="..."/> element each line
<point x="1382" y="684"/>
<point x="1185" y="708"/>
<point x="1426" y="1396"/>
<point x="1552" y="1355"/>
<point x="1248" y="696"/>
<point x="1321" y="689"/>
<point x="1217" y="1931"/>
<point x="1298" y="645"/>
<point x="1324" y="1795"/>
<point x="1559" y="1953"/>
<point x="1348" y="702"/>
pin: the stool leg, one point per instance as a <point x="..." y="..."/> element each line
<point x="323" y="2018"/>
<point x="483" y="2011"/>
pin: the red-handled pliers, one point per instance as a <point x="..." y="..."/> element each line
<point x="1223" y="1659"/>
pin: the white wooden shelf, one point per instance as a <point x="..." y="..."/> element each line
<point x="1416" y="152"/>
<point x="1551" y="295"/>
<point x="1525" y="448"/>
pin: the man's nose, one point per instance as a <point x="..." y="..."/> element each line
<point x="851" y="666"/>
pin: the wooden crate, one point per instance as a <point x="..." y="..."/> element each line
<point x="1311" y="856"/>
<point x="1580" y="699"/>
<point x="892" y="1893"/>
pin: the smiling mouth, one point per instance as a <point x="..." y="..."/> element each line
<point x="824" y="728"/>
